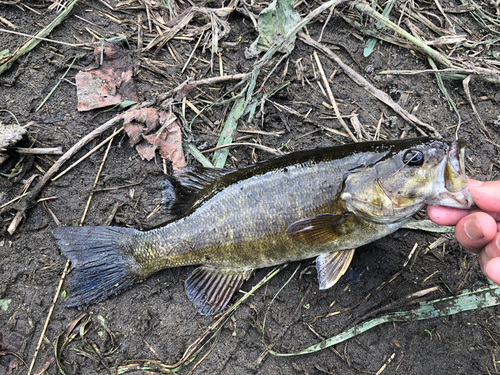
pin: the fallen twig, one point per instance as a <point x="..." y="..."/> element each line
<point x="38" y="150"/>
<point x="30" y="44"/>
<point x="369" y="87"/>
<point x="26" y="203"/>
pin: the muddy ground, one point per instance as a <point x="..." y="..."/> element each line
<point x="155" y="320"/>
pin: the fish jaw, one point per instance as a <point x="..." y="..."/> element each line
<point x="451" y="187"/>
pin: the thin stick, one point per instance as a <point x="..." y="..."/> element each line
<point x="87" y="155"/>
<point x="40" y="38"/>
<point x="39" y="150"/>
<point x="63" y="276"/>
<point x="332" y="99"/>
<point x="56" y="86"/>
<point x="191" y="85"/>
<point x="63" y="159"/>
<point x="192" y="53"/>
<point x="260" y="147"/>
<point x="435" y="55"/>
<point x="369" y="87"/>
<point x="97" y="177"/>
<point x="483" y="128"/>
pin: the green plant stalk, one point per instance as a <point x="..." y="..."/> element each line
<point x="56" y="86"/>
<point x="365" y="8"/>
<point x="198" y="155"/>
<point x="464" y="301"/>
<point x="450" y="101"/>
<point x="428" y="226"/>
<point x="226" y="136"/>
<point x="282" y="40"/>
<point x="370" y="44"/>
<point x="32" y="43"/>
<point x="239" y="107"/>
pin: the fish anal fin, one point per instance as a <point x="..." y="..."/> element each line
<point x="187" y="185"/>
<point x="332" y="266"/>
<point x="211" y="288"/>
<point x="319" y="229"/>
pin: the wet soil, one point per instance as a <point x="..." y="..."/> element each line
<point x="155" y="320"/>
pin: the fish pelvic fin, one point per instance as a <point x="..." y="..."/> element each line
<point x="332" y="266"/>
<point x="102" y="266"/>
<point x="211" y="288"/>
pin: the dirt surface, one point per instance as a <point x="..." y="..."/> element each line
<point x="155" y="320"/>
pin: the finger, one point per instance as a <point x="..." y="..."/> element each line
<point x="485" y="194"/>
<point x="489" y="259"/>
<point x="476" y="230"/>
<point x="446" y="215"/>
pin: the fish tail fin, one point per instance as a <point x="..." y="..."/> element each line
<point x="103" y="265"/>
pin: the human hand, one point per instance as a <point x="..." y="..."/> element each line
<point x="478" y="230"/>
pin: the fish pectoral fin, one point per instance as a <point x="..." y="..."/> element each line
<point x="319" y="229"/>
<point x="332" y="266"/>
<point x="211" y="288"/>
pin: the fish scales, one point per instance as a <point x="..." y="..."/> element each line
<point x="320" y="203"/>
<point x="243" y="225"/>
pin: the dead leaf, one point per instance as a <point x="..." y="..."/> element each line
<point x="167" y="139"/>
<point x="111" y="84"/>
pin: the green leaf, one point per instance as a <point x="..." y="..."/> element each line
<point x="464" y="301"/>
<point x="4" y="304"/>
<point x="126" y="104"/>
<point x="274" y="21"/>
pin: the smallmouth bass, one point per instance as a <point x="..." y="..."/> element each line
<point x="320" y="203"/>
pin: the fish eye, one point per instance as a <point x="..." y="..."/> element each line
<point x="413" y="158"/>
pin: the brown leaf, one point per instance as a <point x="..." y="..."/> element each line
<point x="111" y="84"/>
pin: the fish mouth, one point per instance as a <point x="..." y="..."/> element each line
<point x="452" y="189"/>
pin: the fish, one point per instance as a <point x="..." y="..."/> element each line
<point x="321" y="203"/>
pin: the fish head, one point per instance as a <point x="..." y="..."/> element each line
<point x="406" y="177"/>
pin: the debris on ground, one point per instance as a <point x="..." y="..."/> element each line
<point x="111" y="84"/>
<point x="9" y="136"/>
<point x="141" y="125"/>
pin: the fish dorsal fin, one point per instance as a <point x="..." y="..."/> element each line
<point x="183" y="189"/>
<point x="211" y="288"/>
<point x="319" y="229"/>
<point x="332" y="266"/>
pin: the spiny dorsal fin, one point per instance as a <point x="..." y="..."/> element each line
<point x="332" y="266"/>
<point x="181" y="191"/>
<point x="210" y="288"/>
<point x="319" y="229"/>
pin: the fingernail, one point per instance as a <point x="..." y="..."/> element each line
<point x="472" y="229"/>
<point x="498" y="242"/>
<point x="474" y="183"/>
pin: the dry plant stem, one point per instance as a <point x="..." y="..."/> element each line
<point x="28" y="201"/>
<point x="192" y="85"/>
<point x="87" y="155"/>
<point x="39" y="151"/>
<point x="30" y="44"/>
<point x="192" y="53"/>
<point x="40" y="38"/>
<point x="369" y="87"/>
<point x="260" y="147"/>
<point x="63" y="276"/>
<point x="438" y="4"/>
<point x="475" y="71"/>
<point x="436" y="56"/>
<point x="97" y="177"/>
<point x="483" y="128"/>
<point x="332" y="99"/>
<point x="279" y="42"/>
